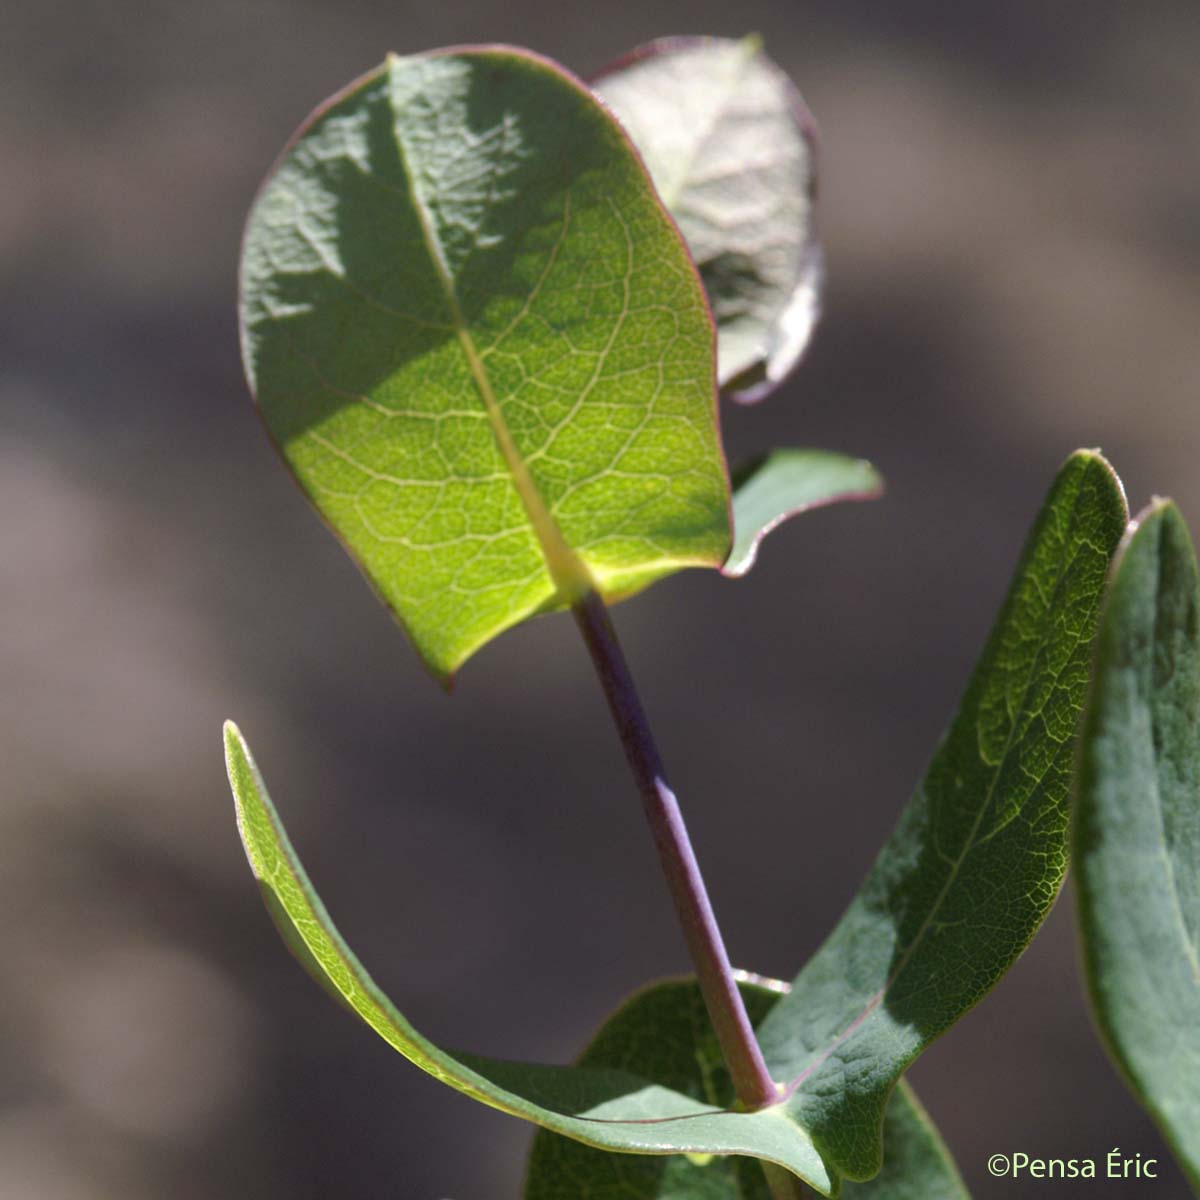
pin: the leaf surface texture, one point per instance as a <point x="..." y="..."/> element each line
<point x="482" y="347"/>
<point x="979" y="854"/>
<point x="732" y="150"/>
<point x="1137" y="827"/>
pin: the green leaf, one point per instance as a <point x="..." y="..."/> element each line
<point x="611" y="1109"/>
<point x="663" y="1033"/>
<point x="1136" y="837"/>
<point x="978" y="856"/>
<point x="916" y="1163"/>
<point x="779" y="485"/>
<point x="731" y="148"/>
<point x="482" y="347"/>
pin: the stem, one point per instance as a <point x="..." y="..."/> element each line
<point x="751" y="1079"/>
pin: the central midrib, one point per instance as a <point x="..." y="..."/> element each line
<point x="569" y="573"/>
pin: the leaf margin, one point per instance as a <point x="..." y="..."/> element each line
<point x="756" y="382"/>
<point x="769" y="1134"/>
<point x="859" y="1161"/>
<point x="861" y="481"/>
<point x="1119" y="647"/>
<point x="446" y="672"/>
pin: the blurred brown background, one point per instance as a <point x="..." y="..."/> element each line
<point x="1010" y="202"/>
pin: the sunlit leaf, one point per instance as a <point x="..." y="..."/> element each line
<point x="482" y="347"/>
<point x="979" y="854"/>
<point x="611" y="1109"/>
<point x="731" y="148"/>
<point x="1137" y="827"/>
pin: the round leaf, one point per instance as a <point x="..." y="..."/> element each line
<point x="732" y="149"/>
<point x="482" y="347"/>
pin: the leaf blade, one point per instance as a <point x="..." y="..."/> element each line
<point x="917" y="1165"/>
<point x="925" y="939"/>
<point x="1136" y="832"/>
<point x="662" y="1032"/>
<point x="739" y="177"/>
<point x="784" y="483"/>
<point x="612" y="1110"/>
<point x="481" y="346"/>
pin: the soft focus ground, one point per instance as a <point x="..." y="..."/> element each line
<point x="1011" y="205"/>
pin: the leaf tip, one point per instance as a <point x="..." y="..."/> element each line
<point x="1087" y="454"/>
<point x="1158" y="504"/>
<point x="247" y="787"/>
<point x="235" y="744"/>
<point x="1095" y="455"/>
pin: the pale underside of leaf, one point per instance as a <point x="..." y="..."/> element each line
<point x="1136" y="833"/>
<point x="979" y="854"/>
<point x="731" y="148"/>
<point x="663" y="1033"/>
<point x="482" y="347"/>
<point x="613" y="1110"/>
<point x="785" y="483"/>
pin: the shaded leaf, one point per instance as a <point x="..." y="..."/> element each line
<point x="978" y="856"/>
<point x="1137" y="827"/>
<point x="916" y="1163"/>
<point x="731" y="148"/>
<point x="611" y="1109"/>
<point x="482" y="347"/>
<point x="784" y="483"/>
<point x="664" y="1034"/>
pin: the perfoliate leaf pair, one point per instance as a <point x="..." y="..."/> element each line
<point x="664" y="1032"/>
<point x="484" y="350"/>
<point x="954" y="897"/>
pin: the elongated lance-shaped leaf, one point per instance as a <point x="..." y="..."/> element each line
<point x="979" y="854"/>
<point x="611" y="1109"/>
<point x="482" y="347"/>
<point x="732" y="150"/>
<point x="1136" y="836"/>
<point x="784" y="483"/>
<point x="663" y="1033"/>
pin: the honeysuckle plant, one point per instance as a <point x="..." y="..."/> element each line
<point x="487" y="314"/>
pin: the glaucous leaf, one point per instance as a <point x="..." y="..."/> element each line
<point x="663" y="1033"/>
<point x="610" y="1109"/>
<point x="482" y="347"/>
<point x="784" y="483"/>
<point x="979" y="854"/>
<point x="732" y="149"/>
<point x="1136" y="836"/>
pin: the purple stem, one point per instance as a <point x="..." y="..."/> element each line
<point x="751" y="1079"/>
